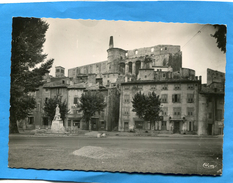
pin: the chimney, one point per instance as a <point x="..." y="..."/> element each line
<point x="111" y="42"/>
<point x="200" y="78"/>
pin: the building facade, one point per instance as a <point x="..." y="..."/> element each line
<point x="188" y="106"/>
<point x="179" y="102"/>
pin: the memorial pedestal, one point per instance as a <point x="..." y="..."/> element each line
<point x="57" y="126"/>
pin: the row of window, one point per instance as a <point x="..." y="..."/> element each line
<point x="176" y="111"/>
<point x="152" y="50"/>
<point x="176" y="98"/>
<point x="164" y="87"/>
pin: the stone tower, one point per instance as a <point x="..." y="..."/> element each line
<point x="59" y="71"/>
<point x="115" y="56"/>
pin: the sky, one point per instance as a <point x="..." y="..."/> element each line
<point x="72" y="43"/>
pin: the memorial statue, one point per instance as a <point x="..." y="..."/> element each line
<point x="57" y="114"/>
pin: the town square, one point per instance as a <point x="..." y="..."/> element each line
<point x="154" y="108"/>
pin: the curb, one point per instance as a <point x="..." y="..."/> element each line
<point x="116" y="136"/>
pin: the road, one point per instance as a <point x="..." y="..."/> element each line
<point x="130" y="154"/>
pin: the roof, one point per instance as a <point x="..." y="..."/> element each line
<point x="89" y="64"/>
<point x="58" y="78"/>
<point x="52" y="85"/>
<point x="117" y="49"/>
<point x="77" y="86"/>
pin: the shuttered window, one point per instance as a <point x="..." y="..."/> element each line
<point x="190" y="86"/>
<point x="190" y="111"/>
<point x="176" y="98"/>
<point x="177" y="112"/>
<point x="76" y="100"/>
<point x="165" y="111"/>
<point x="125" y="111"/>
<point x="126" y="99"/>
<point x="177" y="87"/>
<point x="190" y="98"/>
<point x="164" y="98"/>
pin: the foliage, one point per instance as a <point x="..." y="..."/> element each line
<point x="50" y="107"/>
<point x="220" y="36"/>
<point x="147" y="107"/>
<point x="27" y="66"/>
<point x="90" y="103"/>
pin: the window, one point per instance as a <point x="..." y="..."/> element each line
<point x="76" y="100"/>
<point x="163" y="125"/>
<point x="190" y="87"/>
<point x="140" y="87"/>
<point x="152" y="49"/>
<point x="126" y="99"/>
<point x="164" y="98"/>
<point x="62" y="71"/>
<point x="177" y="112"/>
<point x="76" y="123"/>
<point x="45" y="121"/>
<point x="190" y="111"/>
<point x="38" y="107"/>
<point x="190" y="98"/>
<point x="125" y="111"/>
<point x="176" y="98"/>
<point x="57" y="70"/>
<point x="219" y="115"/>
<point x="165" y="111"/>
<point x="210" y="115"/>
<point x="177" y="87"/>
<point x="126" y="87"/>
<point x="153" y="87"/>
<point x="136" y="52"/>
<point x="30" y="120"/>
<point x="190" y="126"/>
<point x="102" y="114"/>
<point x="164" y="87"/>
<point x="58" y="91"/>
<point x="164" y="75"/>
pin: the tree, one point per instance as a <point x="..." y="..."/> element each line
<point x="50" y="107"/>
<point x="220" y="36"/>
<point x="90" y="103"/>
<point x="147" y="107"/>
<point x="28" y="66"/>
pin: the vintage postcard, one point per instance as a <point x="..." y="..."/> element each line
<point x="117" y="96"/>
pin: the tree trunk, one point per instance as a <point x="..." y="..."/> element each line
<point x="89" y="123"/>
<point x="13" y="125"/>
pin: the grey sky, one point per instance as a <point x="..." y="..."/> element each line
<point x="74" y="43"/>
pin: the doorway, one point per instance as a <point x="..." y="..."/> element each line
<point x="176" y="127"/>
<point x="94" y="124"/>
<point x="164" y="126"/>
<point x="209" y="129"/>
<point x="126" y="126"/>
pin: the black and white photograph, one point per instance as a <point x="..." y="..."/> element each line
<point x="117" y="96"/>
